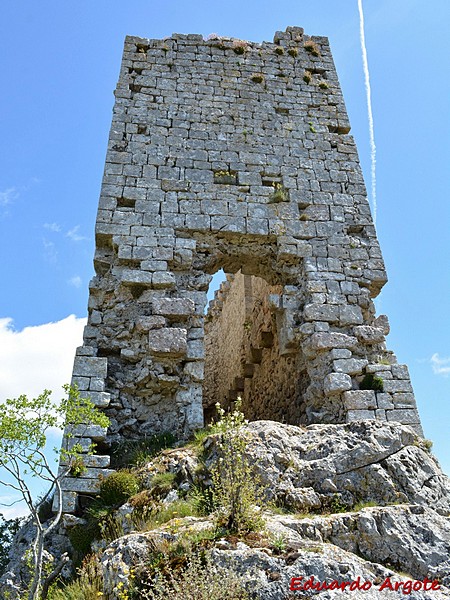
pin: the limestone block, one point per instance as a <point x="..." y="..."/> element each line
<point x="383" y="323"/>
<point x="163" y="280"/>
<point x="69" y="502"/>
<point x="90" y="366"/>
<point x="321" y="312"/>
<point x="360" y="400"/>
<point x="404" y="416"/>
<point x="334" y="383"/>
<point x="400" y="372"/>
<point x="352" y="366"/>
<point x="350" y="315"/>
<point x="195" y="370"/>
<point x="404" y="400"/>
<point x="397" y="385"/>
<point x="152" y="322"/>
<point x="385" y="401"/>
<point x="81" y="484"/>
<point x="99" y="399"/>
<point x="168" y="341"/>
<point x="133" y="277"/>
<point x="175" y="308"/>
<point x="359" y="415"/>
<point x="327" y="341"/>
<point x="369" y="335"/>
<point x="340" y="353"/>
<point x="94" y="432"/>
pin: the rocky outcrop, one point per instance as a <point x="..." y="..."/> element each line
<point x="367" y="501"/>
<point x="323" y="469"/>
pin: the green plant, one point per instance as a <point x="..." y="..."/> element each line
<point x="115" y="489"/>
<point x="323" y="85"/>
<point x="307" y="76"/>
<point x="8" y="529"/>
<point x="279" y="51"/>
<point x="78" y="467"/>
<point x="312" y="48"/>
<point x="24" y="427"/>
<point x="235" y="484"/>
<point x="279" y="193"/>
<point x="138" y="452"/>
<point x="312" y="128"/>
<point x="162" y="483"/>
<point x="194" y="578"/>
<point x="279" y="543"/>
<point x="293" y="52"/>
<point x="240" y="46"/>
<point x="371" y="382"/>
<point x="367" y="504"/>
<point x="88" y="585"/>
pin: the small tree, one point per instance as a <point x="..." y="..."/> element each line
<point x="236" y="486"/>
<point x="24" y="427"/>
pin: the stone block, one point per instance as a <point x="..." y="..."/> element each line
<point x="69" y="502"/>
<point x="134" y="277"/>
<point x="368" y="335"/>
<point x="405" y="416"/>
<point x="163" y="280"/>
<point x="350" y="315"/>
<point x="99" y="399"/>
<point x="173" y="308"/>
<point x="404" y="400"/>
<point x="360" y="415"/>
<point x="385" y="401"/>
<point x="352" y="366"/>
<point x="360" y="400"/>
<point x="335" y="383"/>
<point x="90" y="366"/>
<point x="150" y="322"/>
<point x="397" y="385"/>
<point x="327" y="341"/>
<point x="168" y="341"/>
<point x="94" y="432"/>
<point x="321" y="312"/>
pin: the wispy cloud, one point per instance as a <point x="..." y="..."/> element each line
<point x="440" y="366"/>
<point x="75" y="281"/>
<point x="52" y="227"/>
<point x="74" y="235"/>
<point x="7" y="198"/>
<point x="50" y="251"/>
<point x="373" y="150"/>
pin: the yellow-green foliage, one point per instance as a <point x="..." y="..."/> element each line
<point x="118" y="487"/>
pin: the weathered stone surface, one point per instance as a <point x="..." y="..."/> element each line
<point x="360" y="400"/>
<point x="337" y="382"/>
<point x="168" y="341"/>
<point x="175" y="308"/>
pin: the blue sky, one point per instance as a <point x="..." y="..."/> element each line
<point x="59" y="63"/>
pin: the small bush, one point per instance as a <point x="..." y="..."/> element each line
<point x="88" y="585"/>
<point x="81" y="538"/>
<point x="312" y="48"/>
<point x="138" y="452"/>
<point x="118" y="487"/>
<point x="197" y="578"/>
<point x="307" y="76"/>
<point x="371" y="382"/>
<point x="279" y="50"/>
<point x="293" y="52"/>
<point x="323" y="85"/>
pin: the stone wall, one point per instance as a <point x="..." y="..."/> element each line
<point x="233" y="155"/>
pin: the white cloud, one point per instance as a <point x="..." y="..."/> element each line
<point x="440" y="366"/>
<point x="8" y="195"/>
<point x="76" y="281"/>
<point x="52" y="227"/>
<point x="74" y="235"/>
<point x="39" y="357"/>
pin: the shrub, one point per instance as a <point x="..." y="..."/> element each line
<point x="118" y="487"/>
<point x="235" y="486"/>
<point x="88" y="585"/>
<point x="200" y="579"/>
<point x="312" y="48"/>
<point x="293" y="52"/>
<point x="138" y="452"/>
<point x="371" y="382"/>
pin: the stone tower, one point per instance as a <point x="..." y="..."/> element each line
<point x="233" y="155"/>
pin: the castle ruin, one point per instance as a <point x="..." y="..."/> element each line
<point x="233" y="155"/>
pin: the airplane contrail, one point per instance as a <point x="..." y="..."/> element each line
<point x="373" y="149"/>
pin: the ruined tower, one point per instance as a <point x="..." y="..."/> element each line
<point x="233" y="155"/>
